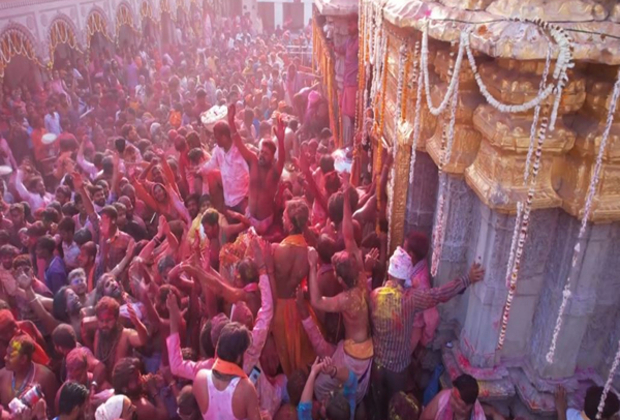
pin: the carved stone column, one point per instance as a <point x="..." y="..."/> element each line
<point x="574" y="172"/>
<point x="497" y="172"/>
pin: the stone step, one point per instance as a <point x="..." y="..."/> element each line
<point x="490" y="389"/>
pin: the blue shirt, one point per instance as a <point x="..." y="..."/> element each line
<point x="304" y="409"/>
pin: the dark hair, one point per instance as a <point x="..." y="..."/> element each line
<point x="46" y="243"/>
<point x="211" y="217"/>
<point x="338" y="408"/>
<point x="417" y="244"/>
<point x="71" y="396"/>
<point x="221" y="128"/>
<point x="248" y="271"/>
<point x="59" y="305"/>
<point x="593" y="399"/>
<point x="326" y="248"/>
<point x="468" y="388"/>
<point x="270" y="144"/>
<point x="187" y="404"/>
<point x="335" y="205"/>
<point x="164" y="263"/>
<point x="195" y="154"/>
<point x="326" y="163"/>
<point x="107" y="303"/>
<point x="346" y="268"/>
<point x="67" y="224"/>
<point x="8" y="251"/>
<point x="64" y="336"/>
<point x="110" y="211"/>
<point x="123" y="370"/>
<point x="233" y="342"/>
<point x="192" y="197"/>
<point x="27" y="346"/>
<point x="298" y="213"/>
<point x="205" y="339"/>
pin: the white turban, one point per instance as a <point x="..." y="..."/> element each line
<point x="400" y="265"/>
<point x="112" y="409"/>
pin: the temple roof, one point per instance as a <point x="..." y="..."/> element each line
<point x="337" y="7"/>
<point x="498" y="36"/>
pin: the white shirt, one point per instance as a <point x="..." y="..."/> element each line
<point x="235" y="173"/>
<point x="52" y="123"/>
<point x="34" y="200"/>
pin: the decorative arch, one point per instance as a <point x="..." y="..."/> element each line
<point x="16" y="40"/>
<point x="124" y="16"/>
<point x="97" y="21"/>
<point x="62" y="30"/>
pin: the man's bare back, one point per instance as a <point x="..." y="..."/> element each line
<point x="291" y="267"/>
<point x="263" y="187"/>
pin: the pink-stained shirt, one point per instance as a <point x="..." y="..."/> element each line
<point x="269" y="394"/>
<point x="235" y="173"/>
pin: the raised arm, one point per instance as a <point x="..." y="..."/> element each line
<point x="140" y="336"/>
<point x="321" y="346"/>
<point x="280" y="131"/>
<point x="265" y="313"/>
<point x="322" y="303"/>
<point x="425" y="299"/>
<point x="347" y="222"/>
<point x="247" y="154"/>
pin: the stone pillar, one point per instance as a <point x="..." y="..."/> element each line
<point x="496" y="176"/>
<point x="586" y="276"/>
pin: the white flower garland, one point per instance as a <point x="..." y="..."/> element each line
<point x="447" y="143"/>
<point x="528" y="159"/>
<point x="525" y="221"/>
<point x="455" y="73"/>
<point x="418" y="107"/>
<point x="608" y="384"/>
<point x="566" y="293"/>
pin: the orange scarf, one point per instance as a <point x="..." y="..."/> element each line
<point x="227" y="368"/>
<point x="295" y="240"/>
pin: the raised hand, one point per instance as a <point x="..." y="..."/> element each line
<point x="232" y="110"/>
<point x="313" y="257"/>
<point x="280" y="129"/>
<point x="78" y="181"/>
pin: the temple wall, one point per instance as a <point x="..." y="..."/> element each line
<point x="484" y="184"/>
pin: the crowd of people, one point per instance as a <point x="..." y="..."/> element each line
<point x="176" y="242"/>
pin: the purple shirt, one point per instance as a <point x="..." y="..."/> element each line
<point x="56" y="275"/>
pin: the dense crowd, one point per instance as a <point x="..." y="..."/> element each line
<point x="179" y="239"/>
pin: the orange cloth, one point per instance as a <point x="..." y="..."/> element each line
<point x="227" y="368"/>
<point x="292" y="342"/>
<point x="295" y="240"/>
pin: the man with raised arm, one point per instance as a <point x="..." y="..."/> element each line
<point x="356" y="350"/>
<point x="264" y="174"/>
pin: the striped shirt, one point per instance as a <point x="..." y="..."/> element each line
<point x="393" y="310"/>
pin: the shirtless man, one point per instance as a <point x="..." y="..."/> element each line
<point x="112" y="340"/>
<point x="291" y="267"/>
<point x="21" y="373"/>
<point x="356" y="350"/>
<point x="264" y="174"/>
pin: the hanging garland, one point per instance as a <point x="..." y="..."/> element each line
<point x="527" y="208"/>
<point x="447" y="142"/>
<point x="608" y="384"/>
<point x="517" y="243"/>
<point x="403" y="57"/>
<point x="566" y="293"/>
<point x="14" y="42"/>
<point x="416" y="119"/>
<point x="381" y="125"/>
